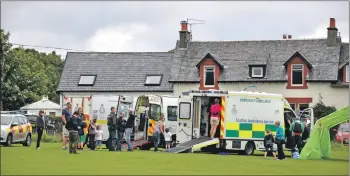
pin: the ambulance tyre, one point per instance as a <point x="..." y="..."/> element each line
<point x="249" y="148"/>
<point x="28" y="141"/>
<point x="9" y="140"/>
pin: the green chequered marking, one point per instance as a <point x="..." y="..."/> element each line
<point x="232" y="133"/>
<point x="258" y="134"/>
<point x="245" y="126"/>
<point x="270" y="126"/>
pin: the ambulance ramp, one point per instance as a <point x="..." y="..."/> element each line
<point x="136" y="144"/>
<point x="193" y="145"/>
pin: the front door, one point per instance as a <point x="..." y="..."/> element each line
<point x="184" y="128"/>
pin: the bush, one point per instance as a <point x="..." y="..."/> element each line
<point x="321" y="110"/>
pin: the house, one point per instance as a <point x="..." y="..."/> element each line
<point x="50" y="108"/>
<point x="304" y="71"/>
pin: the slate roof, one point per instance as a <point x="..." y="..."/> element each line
<point x="116" y="71"/>
<point x="238" y="55"/>
<point x="344" y="55"/>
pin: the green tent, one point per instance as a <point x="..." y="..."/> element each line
<point x="318" y="145"/>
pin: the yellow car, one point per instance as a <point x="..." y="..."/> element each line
<point x="15" y="129"/>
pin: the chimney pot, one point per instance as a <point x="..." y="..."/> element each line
<point x="284" y="36"/>
<point x="289" y="36"/>
<point x="184" y="25"/>
<point x="331" y="23"/>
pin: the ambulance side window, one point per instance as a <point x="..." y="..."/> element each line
<point x="185" y="111"/>
<point x="172" y="114"/>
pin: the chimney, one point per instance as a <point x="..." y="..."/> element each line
<point x="185" y="35"/>
<point x="332" y="33"/>
<point x="289" y="37"/>
<point x="284" y="36"/>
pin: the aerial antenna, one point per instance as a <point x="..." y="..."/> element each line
<point x="194" y="22"/>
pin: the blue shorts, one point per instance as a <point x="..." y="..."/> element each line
<point x="98" y="142"/>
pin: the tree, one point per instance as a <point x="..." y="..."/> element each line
<point x="28" y="75"/>
<point x="5" y="48"/>
<point x="321" y="110"/>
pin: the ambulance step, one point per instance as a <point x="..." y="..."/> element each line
<point x="193" y="145"/>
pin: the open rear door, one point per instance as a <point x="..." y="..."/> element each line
<point x="184" y="126"/>
<point x="309" y="115"/>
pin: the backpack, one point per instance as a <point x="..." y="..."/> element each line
<point x="269" y="140"/>
<point x="297" y="128"/>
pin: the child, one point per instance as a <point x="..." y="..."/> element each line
<point x="268" y="143"/>
<point x="99" y="137"/>
<point x="295" y="153"/>
<point x="167" y="138"/>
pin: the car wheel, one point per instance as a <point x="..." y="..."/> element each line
<point x="9" y="140"/>
<point x="28" y="141"/>
<point x="249" y="148"/>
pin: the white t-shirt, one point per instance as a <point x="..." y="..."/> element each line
<point x="99" y="134"/>
<point x="167" y="136"/>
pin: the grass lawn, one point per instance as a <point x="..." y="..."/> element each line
<point x="51" y="160"/>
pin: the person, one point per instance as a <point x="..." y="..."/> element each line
<point x="268" y="144"/>
<point x="167" y="138"/>
<point x="129" y="126"/>
<point x="279" y="140"/>
<point x="158" y="130"/>
<point x="66" y="114"/>
<point x="306" y="134"/>
<point x="121" y="122"/>
<point x="297" y="129"/>
<point x="99" y="137"/>
<point x="73" y="126"/>
<point x="41" y="125"/>
<point x="112" y="129"/>
<point x="215" y="110"/>
<point x="92" y="133"/>
<point x="82" y="136"/>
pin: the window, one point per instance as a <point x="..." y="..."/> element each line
<point x="292" y="105"/>
<point x="124" y="107"/>
<point x="172" y="113"/>
<point x="25" y="120"/>
<point x="303" y="106"/>
<point x="153" y="79"/>
<point x="185" y="111"/>
<point x="87" y="80"/>
<point x="15" y="120"/>
<point x="209" y="80"/>
<point x="154" y="112"/>
<point x="347" y="73"/>
<point x="53" y="114"/>
<point x="297" y="74"/>
<point x="20" y="120"/>
<point x="257" y="72"/>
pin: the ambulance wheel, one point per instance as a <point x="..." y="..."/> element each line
<point x="249" y="148"/>
<point x="9" y="140"/>
<point x="28" y="141"/>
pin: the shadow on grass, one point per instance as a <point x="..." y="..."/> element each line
<point x="335" y="159"/>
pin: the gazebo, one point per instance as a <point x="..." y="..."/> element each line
<point x="50" y="108"/>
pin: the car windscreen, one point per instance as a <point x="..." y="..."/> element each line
<point x="5" y="119"/>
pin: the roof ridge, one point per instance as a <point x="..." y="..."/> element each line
<point x="217" y="41"/>
<point x="101" y="52"/>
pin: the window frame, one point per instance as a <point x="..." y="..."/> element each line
<point x="189" y="116"/>
<point x="167" y="111"/>
<point x="295" y="106"/>
<point x="93" y="82"/>
<point x="257" y="76"/>
<point x="206" y="67"/>
<point x="152" y="84"/>
<point x="150" y="111"/>
<point x="302" y="75"/>
<point x="346" y="73"/>
<point x="308" y="106"/>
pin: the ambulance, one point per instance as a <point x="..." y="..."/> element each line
<point x="148" y="109"/>
<point x="245" y="116"/>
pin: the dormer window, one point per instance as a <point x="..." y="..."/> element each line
<point x="297" y="74"/>
<point x="257" y="72"/>
<point x="153" y="80"/>
<point x="87" y="80"/>
<point x="209" y="78"/>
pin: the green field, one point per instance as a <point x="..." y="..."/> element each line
<point x="51" y="160"/>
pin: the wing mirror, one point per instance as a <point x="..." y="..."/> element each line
<point x="14" y="124"/>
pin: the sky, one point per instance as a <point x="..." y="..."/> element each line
<point x="153" y="26"/>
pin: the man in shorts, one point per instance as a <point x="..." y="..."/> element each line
<point x="66" y="114"/>
<point x="215" y="110"/>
